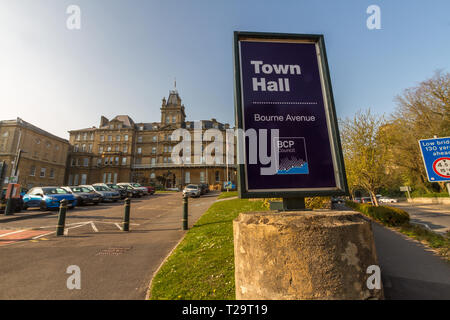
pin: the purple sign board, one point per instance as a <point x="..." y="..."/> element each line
<point x="285" y="108"/>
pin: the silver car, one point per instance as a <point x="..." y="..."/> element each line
<point x="106" y="193"/>
<point x="192" y="190"/>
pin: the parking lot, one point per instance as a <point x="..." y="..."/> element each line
<point x="114" y="264"/>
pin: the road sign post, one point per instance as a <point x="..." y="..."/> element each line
<point x="290" y="146"/>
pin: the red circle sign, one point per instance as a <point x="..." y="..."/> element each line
<point x="442" y="167"/>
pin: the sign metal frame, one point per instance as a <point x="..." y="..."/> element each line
<point x="329" y="105"/>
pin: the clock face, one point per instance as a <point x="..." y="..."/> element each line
<point x="442" y="167"/>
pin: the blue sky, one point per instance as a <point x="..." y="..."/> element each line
<point x="127" y="54"/>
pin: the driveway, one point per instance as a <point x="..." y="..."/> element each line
<point x="114" y="264"/>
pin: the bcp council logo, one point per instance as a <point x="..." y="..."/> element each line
<point x="292" y="155"/>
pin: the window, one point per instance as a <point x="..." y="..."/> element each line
<point x="139" y="139"/>
<point x="100" y="149"/>
<point x="99" y="161"/>
<point x="167" y="119"/>
<point x="42" y="175"/>
<point x="73" y="162"/>
<point x="106" y="160"/>
<point x="116" y="147"/>
<point x="154" y="150"/>
<point x="165" y="148"/>
<point x="104" y="177"/>
<point x="217" y="176"/>
<point x="78" y="137"/>
<point x="153" y="161"/>
<point x="116" y="161"/>
<point x="118" y="138"/>
<point x="165" y="159"/>
<point x="174" y="119"/>
<point x="115" y="177"/>
<point x="90" y="148"/>
<point x="152" y="175"/>
<point x="109" y="148"/>
<point x="109" y="177"/>
<point x="124" y="161"/>
<point x="102" y="138"/>
<point x="75" y="148"/>
<point x="83" y="178"/>
<point x="154" y="138"/>
<point x="119" y="126"/>
<point x="92" y="136"/>
<point x="125" y="149"/>
<point x="52" y="173"/>
<point x="33" y="171"/>
<point x="202" y="177"/>
<point x="125" y="137"/>
<point x="111" y="126"/>
<point x="86" y="162"/>
<point x="85" y="136"/>
<point x="141" y="128"/>
<point x="109" y="138"/>
<point x="83" y="148"/>
<point x="75" y="180"/>
<point x="70" y="182"/>
<point x="187" y="177"/>
<point x="139" y="150"/>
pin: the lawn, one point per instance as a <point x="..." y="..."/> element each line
<point x="202" y="266"/>
<point x="229" y="194"/>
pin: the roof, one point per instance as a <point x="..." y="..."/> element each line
<point x="126" y="120"/>
<point x="174" y="98"/>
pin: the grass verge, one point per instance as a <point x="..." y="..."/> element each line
<point x="399" y="221"/>
<point x="229" y="194"/>
<point x="202" y="266"/>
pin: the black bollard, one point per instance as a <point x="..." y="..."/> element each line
<point x="185" y="212"/>
<point x="61" y="218"/>
<point x="126" y="216"/>
<point x="9" y="207"/>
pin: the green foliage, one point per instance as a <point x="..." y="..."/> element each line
<point x="310" y="203"/>
<point x="229" y="194"/>
<point x="386" y="215"/>
<point x="202" y="266"/>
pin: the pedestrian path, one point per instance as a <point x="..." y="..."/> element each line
<point x="14" y="236"/>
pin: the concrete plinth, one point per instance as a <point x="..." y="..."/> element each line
<point x="303" y="255"/>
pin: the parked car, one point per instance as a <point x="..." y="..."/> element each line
<point x="357" y="200"/>
<point x="387" y="200"/>
<point x="48" y="198"/>
<point x="192" y="190"/>
<point x="84" y="195"/>
<point x="106" y="193"/>
<point x="18" y="202"/>
<point x="121" y="189"/>
<point x="151" y="190"/>
<point x="132" y="186"/>
<point x="366" y="200"/>
<point x="337" y="200"/>
<point x="204" y="188"/>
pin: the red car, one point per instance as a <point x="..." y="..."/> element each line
<point x="151" y="190"/>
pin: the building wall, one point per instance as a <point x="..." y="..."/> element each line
<point x="44" y="156"/>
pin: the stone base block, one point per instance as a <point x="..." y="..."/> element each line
<point x="303" y="255"/>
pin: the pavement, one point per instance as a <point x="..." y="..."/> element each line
<point x="409" y="270"/>
<point x="113" y="264"/>
<point x="436" y="217"/>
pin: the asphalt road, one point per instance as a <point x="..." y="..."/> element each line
<point x="114" y="264"/>
<point x="434" y="216"/>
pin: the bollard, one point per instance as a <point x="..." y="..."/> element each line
<point x="126" y="216"/>
<point x="9" y="207"/>
<point x="61" y="218"/>
<point x="185" y="212"/>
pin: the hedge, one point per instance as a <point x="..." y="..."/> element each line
<point x="386" y="215"/>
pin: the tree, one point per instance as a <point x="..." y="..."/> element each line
<point x="422" y="112"/>
<point x="365" y="152"/>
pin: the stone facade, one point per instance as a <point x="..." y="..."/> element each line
<point x="121" y="150"/>
<point x="41" y="156"/>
